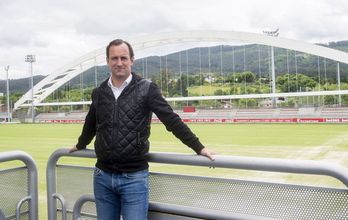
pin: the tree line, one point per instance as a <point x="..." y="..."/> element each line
<point x="235" y="69"/>
<point x="213" y="84"/>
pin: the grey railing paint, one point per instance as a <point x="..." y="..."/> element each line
<point x="63" y="203"/>
<point x="51" y="176"/>
<point x="32" y="179"/>
<point x="234" y="162"/>
<point x="80" y="202"/>
<point x="256" y="163"/>
<point x="2" y="214"/>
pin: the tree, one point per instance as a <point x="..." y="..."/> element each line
<point x="238" y="77"/>
<point x="153" y="78"/>
<point x="329" y="100"/>
<point x="248" y="76"/>
<point x="291" y="83"/>
<point x="16" y="96"/>
<point x="220" y="92"/>
<point x="242" y="103"/>
<point x="181" y="86"/>
<point x="291" y="103"/>
<point x="165" y="75"/>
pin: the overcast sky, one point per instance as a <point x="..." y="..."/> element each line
<point x="58" y="32"/>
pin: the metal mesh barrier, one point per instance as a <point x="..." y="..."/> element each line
<point x="187" y="197"/>
<point x="72" y="183"/>
<point x="280" y="201"/>
<point x="13" y="184"/>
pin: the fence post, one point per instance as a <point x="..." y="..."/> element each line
<point x="51" y="176"/>
<point x="32" y="179"/>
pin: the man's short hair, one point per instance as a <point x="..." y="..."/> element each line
<point x="119" y="42"/>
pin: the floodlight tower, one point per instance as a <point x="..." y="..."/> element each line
<point x="8" y="94"/>
<point x="274" y="34"/>
<point x="30" y="59"/>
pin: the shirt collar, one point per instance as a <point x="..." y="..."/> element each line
<point x="124" y="84"/>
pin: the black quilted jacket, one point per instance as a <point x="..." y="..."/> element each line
<point x="122" y="127"/>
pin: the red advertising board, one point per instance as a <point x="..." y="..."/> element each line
<point x="249" y="120"/>
<point x="268" y="120"/>
<point x="188" y="109"/>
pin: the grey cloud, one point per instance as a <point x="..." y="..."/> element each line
<point x="16" y="35"/>
<point x="63" y="30"/>
<point x="127" y="28"/>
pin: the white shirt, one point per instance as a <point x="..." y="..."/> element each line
<point x="117" y="91"/>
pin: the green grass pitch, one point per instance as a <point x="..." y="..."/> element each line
<point x="322" y="142"/>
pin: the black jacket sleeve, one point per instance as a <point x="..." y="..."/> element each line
<point x="89" y="127"/>
<point x="171" y="120"/>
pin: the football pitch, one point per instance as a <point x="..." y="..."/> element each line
<point x="321" y="142"/>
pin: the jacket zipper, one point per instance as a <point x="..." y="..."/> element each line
<point x="115" y="130"/>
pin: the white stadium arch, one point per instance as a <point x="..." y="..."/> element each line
<point x="85" y="62"/>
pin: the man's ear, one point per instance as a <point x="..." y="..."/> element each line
<point x="107" y="60"/>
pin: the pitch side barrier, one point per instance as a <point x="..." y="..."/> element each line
<point x="18" y="186"/>
<point x="186" y="197"/>
<point x="172" y="196"/>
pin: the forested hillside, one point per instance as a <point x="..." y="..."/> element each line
<point x="218" y="61"/>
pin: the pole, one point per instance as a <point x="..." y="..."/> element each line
<point x="273" y="34"/>
<point x="339" y="83"/>
<point x="274" y="100"/>
<point x="8" y="95"/>
<point x="32" y="93"/>
<point x="30" y="59"/>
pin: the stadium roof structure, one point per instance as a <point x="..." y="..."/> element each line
<point x="67" y="72"/>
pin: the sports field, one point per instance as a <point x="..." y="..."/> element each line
<point x="323" y="142"/>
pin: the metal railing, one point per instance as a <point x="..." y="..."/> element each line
<point x="18" y="187"/>
<point x="70" y="196"/>
<point x="192" y="197"/>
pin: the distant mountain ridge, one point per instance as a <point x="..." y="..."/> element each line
<point x="235" y="59"/>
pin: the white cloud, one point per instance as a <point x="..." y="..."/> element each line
<point x="60" y="31"/>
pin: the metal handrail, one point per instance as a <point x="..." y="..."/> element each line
<point x="256" y="163"/>
<point x="80" y="202"/>
<point x="2" y="214"/>
<point x="32" y="178"/>
<point x="51" y="175"/>
<point x="234" y="162"/>
<point x="18" y="208"/>
<point x="63" y="203"/>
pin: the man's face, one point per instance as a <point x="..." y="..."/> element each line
<point x="119" y="61"/>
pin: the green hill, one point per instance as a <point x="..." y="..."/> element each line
<point x="235" y="59"/>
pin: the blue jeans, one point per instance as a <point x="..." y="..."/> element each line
<point x="126" y="194"/>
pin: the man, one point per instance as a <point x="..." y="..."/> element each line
<point x="120" y="117"/>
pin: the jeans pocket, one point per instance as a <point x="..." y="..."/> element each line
<point x="138" y="174"/>
<point x="97" y="171"/>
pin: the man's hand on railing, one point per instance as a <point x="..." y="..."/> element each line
<point x="208" y="153"/>
<point x="74" y="148"/>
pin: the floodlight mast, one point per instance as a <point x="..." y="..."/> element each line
<point x="274" y="34"/>
<point x="30" y="59"/>
<point x="8" y="94"/>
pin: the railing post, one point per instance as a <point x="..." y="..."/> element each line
<point x="32" y="178"/>
<point x="51" y="176"/>
<point x="2" y="214"/>
<point x="79" y="203"/>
